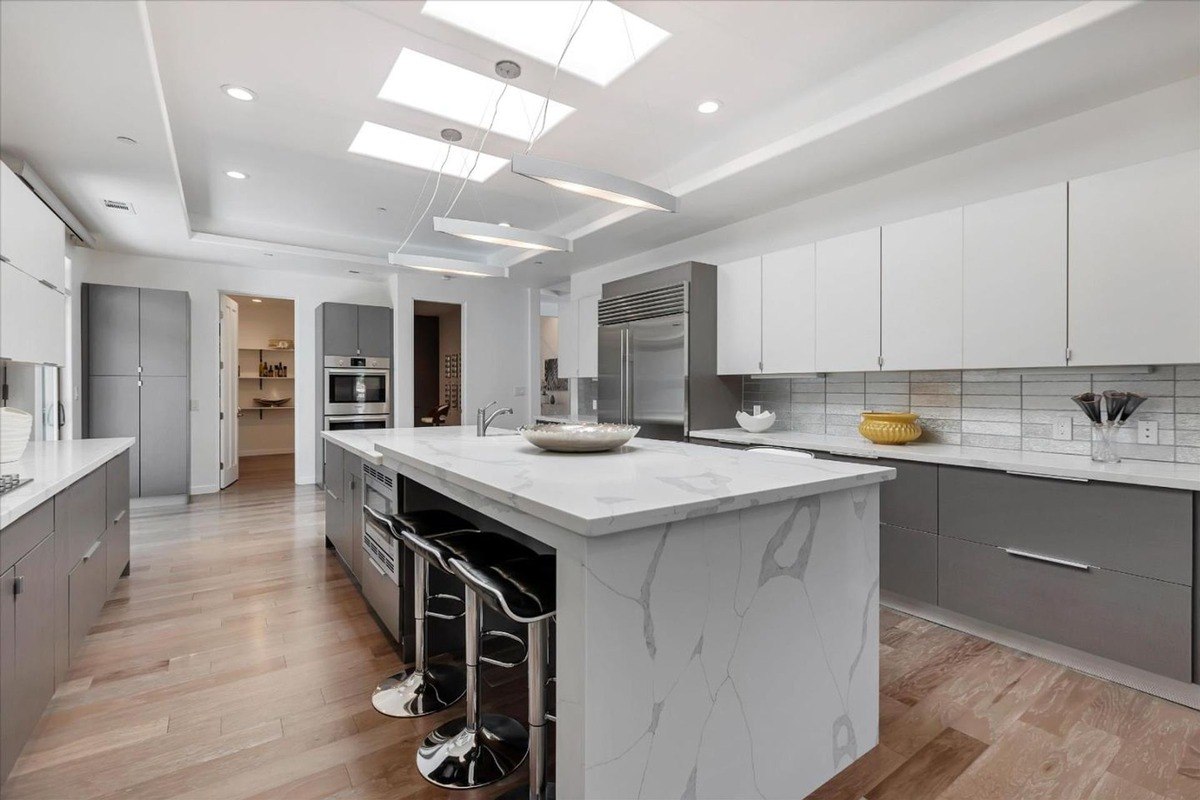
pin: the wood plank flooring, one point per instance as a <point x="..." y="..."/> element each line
<point x="237" y="661"/>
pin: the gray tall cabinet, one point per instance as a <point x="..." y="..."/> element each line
<point x="136" y="359"/>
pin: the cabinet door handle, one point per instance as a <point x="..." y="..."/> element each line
<point x="91" y="551"/>
<point x="18" y="584"/>
<point x="331" y="494"/>
<point x="1021" y="474"/>
<point x="378" y="568"/>
<point x="1062" y="562"/>
<point x="119" y="517"/>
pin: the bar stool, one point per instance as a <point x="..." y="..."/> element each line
<point x="426" y="688"/>
<point x="479" y="748"/>
<point x="524" y="591"/>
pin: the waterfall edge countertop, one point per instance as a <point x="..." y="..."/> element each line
<point x="1163" y="474"/>
<point x="54" y="466"/>
<point x="647" y="482"/>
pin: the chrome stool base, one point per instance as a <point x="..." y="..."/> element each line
<point x="457" y="758"/>
<point x="522" y="793"/>
<point x="417" y="694"/>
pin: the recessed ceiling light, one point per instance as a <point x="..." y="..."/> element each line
<point x="594" y="183"/>
<point x="500" y="234"/>
<point x="352" y="271"/>
<point x="255" y="300"/>
<point x="401" y="147"/>
<point x="237" y="176"/>
<point x="599" y="52"/>
<point x="238" y="92"/>
<point x="269" y="255"/>
<point x="126" y="140"/>
<point x="709" y="107"/>
<point x="381" y="209"/>
<point x="447" y="90"/>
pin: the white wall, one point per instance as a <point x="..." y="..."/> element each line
<point x="204" y="282"/>
<point x="500" y="343"/>
<point x="1158" y="123"/>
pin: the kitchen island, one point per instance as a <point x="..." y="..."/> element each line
<point x="717" y="610"/>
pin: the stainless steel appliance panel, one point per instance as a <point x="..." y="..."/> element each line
<point x="357" y="390"/>
<point x="358" y="422"/>
<point x="656" y="366"/>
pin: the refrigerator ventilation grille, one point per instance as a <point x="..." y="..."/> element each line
<point x="644" y="305"/>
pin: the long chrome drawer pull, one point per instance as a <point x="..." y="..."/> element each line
<point x="1044" y="475"/>
<point x="91" y="550"/>
<point x="119" y="517"/>
<point x="851" y="455"/>
<point x="1048" y="559"/>
<point x="331" y="494"/>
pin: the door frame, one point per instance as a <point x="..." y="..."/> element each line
<point x="227" y="392"/>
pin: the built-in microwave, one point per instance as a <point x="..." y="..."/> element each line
<point x="357" y="385"/>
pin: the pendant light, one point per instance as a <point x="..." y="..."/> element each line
<point x="446" y="266"/>
<point x="501" y="234"/>
<point x="594" y="183"/>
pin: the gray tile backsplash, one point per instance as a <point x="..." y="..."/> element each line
<point x="1007" y="409"/>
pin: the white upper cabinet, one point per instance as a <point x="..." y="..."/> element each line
<point x="1015" y="280"/>
<point x="32" y="319"/>
<point x="32" y="237"/>
<point x="789" y="324"/>
<point x="1134" y="292"/>
<point x="739" y="317"/>
<point x="587" y="313"/>
<point x="568" y="340"/>
<point x="921" y="308"/>
<point x="847" y="302"/>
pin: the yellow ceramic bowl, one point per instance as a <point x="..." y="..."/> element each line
<point x="887" y="427"/>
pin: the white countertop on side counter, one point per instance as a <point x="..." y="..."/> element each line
<point x="360" y="443"/>
<point x="1164" y="474"/>
<point x="647" y="482"/>
<point x="54" y="466"/>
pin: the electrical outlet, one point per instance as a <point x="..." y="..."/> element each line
<point x="195" y="405"/>
<point x="595" y="403"/>
<point x="1147" y="432"/>
<point x="1062" y="429"/>
<point x="518" y="391"/>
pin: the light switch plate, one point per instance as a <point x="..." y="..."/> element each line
<point x="1062" y="429"/>
<point x="518" y="391"/>
<point x="194" y="405"/>
<point x="1147" y="431"/>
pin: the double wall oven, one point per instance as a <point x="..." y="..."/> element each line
<point x="357" y="392"/>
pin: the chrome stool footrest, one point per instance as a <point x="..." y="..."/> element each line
<point x="495" y="662"/>
<point x="552" y="716"/>
<point x="445" y="598"/>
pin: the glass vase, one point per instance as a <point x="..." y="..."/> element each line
<point x="1104" y="445"/>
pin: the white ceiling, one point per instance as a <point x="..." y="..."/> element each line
<point x="815" y="96"/>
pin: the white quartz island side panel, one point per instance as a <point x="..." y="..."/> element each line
<point x="717" y="610"/>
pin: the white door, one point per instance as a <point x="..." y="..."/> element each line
<point x="848" y="303"/>
<point x="1015" y="280"/>
<point x="921" y="293"/>
<point x="588" y="318"/>
<point x="739" y="317"/>
<point x="789" y="323"/>
<point x="229" y="391"/>
<point x="1135" y="264"/>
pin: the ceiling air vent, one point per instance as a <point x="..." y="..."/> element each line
<point x="119" y="205"/>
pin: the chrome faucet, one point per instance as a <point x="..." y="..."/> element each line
<point x="483" y="419"/>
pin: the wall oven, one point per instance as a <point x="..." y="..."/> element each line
<point x="357" y="385"/>
<point x="357" y="422"/>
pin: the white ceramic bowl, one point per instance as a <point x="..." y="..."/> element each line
<point x="583" y="437"/>
<point x="755" y="424"/>
<point x="15" y="427"/>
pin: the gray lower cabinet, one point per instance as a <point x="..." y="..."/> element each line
<point x="84" y="517"/>
<point x="114" y="411"/>
<point x="117" y="506"/>
<point x="335" y="505"/>
<point x="87" y="588"/>
<point x="908" y="501"/>
<point x="908" y="563"/>
<point x="353" y="494"/>
<point x="26" y="647"/>
<point x="1138" y="621"/>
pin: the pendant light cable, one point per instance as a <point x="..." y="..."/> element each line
<point x="534" y="133"/>
<point x="479" y="151"/>
<point x="653" y="122"/>
<point x="428" y="205"/>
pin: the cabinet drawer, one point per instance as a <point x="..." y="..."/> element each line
<point x="86" y="514"/>
<point x="117" y="558"/>
<point x="909" y="501"/>
<point x="117" y="474"/>
<point x="1138" y="621"/>
<point x="23" y="535"/>
<point x="382" y="595"/>
<point x="1140" y="530"/>
<point x="908" y="562"/>
<point x="87" y="588"/>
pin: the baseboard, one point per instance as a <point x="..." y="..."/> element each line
<point x="208" y="488"/>
<point x="267" y="451"/>
<point x="140" y="503"/>
<point x="1185" y="694"/>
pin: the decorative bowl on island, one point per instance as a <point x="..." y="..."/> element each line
<point x="581" y="437"/>
<point x="15" y="427"/>
<point x="889" y="427"/>
<point x="755" y="423"/>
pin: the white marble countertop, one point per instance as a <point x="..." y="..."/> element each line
<point x="1164" y="474"/>
<point x="53" y="466"/>
<point x="647" y="482"/>
<point x="360" y="443"/>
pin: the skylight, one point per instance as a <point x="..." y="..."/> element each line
<point x="429" y="84"/>
<point x="599" y="52"/>
<point x="401" y="147"/>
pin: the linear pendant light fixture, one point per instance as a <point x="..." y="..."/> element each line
<point x="501" y="234"/>
<point x="594" y="183"/>
<point x="450" y="266"/>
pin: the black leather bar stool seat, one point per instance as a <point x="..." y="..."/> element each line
<point x="523" y="590"/>
<point x="478" y="547"/>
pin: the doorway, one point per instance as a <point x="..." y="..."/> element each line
<point x="437" y="363"/>
<point x="258" y="397"/>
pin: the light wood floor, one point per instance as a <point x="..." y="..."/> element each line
<point x="237" y="661"/>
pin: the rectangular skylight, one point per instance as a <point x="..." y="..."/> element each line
<point x="401" y="147"/>
<point x="429" y="84"/>
<point x="599" y="52"/>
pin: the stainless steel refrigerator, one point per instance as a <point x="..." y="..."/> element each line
<point x="657" y="354"/>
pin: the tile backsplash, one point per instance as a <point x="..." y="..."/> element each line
<point x="1009" y="409"/>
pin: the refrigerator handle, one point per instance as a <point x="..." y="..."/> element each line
<point x="627" y="375"/>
